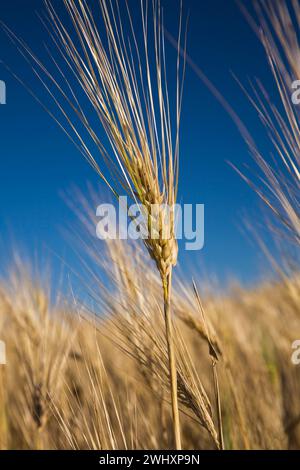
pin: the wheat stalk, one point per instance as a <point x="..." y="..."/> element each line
<point x="132" y="103"/>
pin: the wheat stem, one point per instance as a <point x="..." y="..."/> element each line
<point x="218" y="405"/>
<point x="167" y="287"/>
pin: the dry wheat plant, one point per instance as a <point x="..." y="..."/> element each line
<point x="132" y="103"/>
<point x="114" y="368"/>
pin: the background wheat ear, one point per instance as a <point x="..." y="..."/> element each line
<point x="41" y="348"/>
<point x="125" y="84"/>
<point x="278" y="179"/>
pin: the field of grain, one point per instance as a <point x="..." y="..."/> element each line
<point x="147" y="358"/>
<point x="77" y="381"/>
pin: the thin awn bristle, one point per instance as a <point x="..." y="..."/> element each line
<point x="279" y="183"/>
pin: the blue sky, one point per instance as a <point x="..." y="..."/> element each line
<point x="38" y="163"/>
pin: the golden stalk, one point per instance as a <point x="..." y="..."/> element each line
<point x="126" y="87"/>
<point x="171" y="357"/>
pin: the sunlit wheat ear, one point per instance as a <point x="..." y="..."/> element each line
<point x="126" y="87"/>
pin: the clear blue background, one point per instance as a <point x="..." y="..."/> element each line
<point x="38" y="163"/>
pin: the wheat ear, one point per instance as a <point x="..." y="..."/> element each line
<point x="128" y="93"/>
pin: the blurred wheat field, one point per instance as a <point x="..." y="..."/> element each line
<point x="82" y="379"/>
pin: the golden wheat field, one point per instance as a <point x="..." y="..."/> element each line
<point x="77" y="382"/>
<point x="143" y="356"/>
